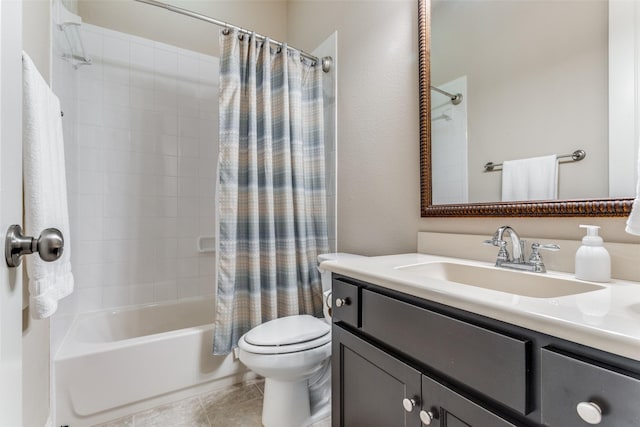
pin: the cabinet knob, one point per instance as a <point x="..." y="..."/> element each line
<point x="589" y="412"/>
<point x="426" y="417"/>
<point x="342" y="301"/>
<point x="409" y="404"/>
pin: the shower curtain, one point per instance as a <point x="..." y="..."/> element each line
<point x="271" y="188"/>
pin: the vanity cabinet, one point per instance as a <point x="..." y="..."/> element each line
<point x="399" y="360"/>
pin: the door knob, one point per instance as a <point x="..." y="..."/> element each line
<point x="49" y="245"/>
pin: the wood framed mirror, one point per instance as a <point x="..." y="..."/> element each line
<point x="617" y="206"/>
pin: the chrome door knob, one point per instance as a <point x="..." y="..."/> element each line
<point x="342" y="301"/>
<point x="408" y="404"/>
<point x="426" y="417"/>
<point x="49" y="245"/>
<point x="589" y="412"/>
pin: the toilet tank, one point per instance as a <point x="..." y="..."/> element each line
<point x="326" y="275"/>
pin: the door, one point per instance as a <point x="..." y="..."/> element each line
<point x="10" y="210"/>
<point x="370" y="387"/>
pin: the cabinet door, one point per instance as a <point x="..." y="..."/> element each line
<point x="443" y="407"/>
<point x="370" y="386"/>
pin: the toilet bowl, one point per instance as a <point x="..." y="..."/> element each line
<point x="293" y="355"/>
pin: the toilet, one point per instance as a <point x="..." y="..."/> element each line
<point x="293" y="354"/>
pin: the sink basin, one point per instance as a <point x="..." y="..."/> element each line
<point x="513" y="282"/>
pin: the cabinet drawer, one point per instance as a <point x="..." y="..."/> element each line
<point x="568" y="381"/>
<point x="345" y="303"/>
<point x="494" y="364"/>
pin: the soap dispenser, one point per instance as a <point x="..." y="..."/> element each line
<point x="593" y="262"/>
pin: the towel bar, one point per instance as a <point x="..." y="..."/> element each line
<point x="576" y="156"/>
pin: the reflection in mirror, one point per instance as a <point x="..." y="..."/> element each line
<point x="534" y="79"/>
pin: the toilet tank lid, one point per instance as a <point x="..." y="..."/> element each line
<point x="287" y="330"/>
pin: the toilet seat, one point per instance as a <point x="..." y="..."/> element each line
<point x="286" y="335"/>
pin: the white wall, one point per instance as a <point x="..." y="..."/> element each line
<point x="142" y="170"/>
<point x="378" y="173"/>
<point x="378" y="178"/>
<point x="329" y="47"/>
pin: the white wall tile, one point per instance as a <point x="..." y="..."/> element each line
<point x="188" y="186"/>
<point x="166" y="249"/>
<point x="166" y="100"/>
<point x="116" y="297"/>
<point x="116" y="117"/>
<point x="189" y="287"/>
<point x="142" y="293"/>
<point x="116" y="94"/>
<point x="189" y="166"/>
<point x="189" y="147"/>
<point x="207" y="285"/>
<point x="165" y="63"/>
<point x="166" y="186"/>
<point x="188" y="67"/>
<point x="88" y="90"/>
<point x="89" y="113"/>
<point x="142" y="55"/>
<point x="142" y="97"/>
<point x="188" y="267"/>
<point x="89" y="299"/>
<point x="168" y="145"/>
<point x="207" y="265"/>
<point x="208" y="70"/>
<point x="166" y="290"/>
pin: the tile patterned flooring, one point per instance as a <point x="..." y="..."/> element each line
<point x="236" y="406"/>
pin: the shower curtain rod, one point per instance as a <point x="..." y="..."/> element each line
<point x="455" y="99"/>
<point x="326" y="61"/>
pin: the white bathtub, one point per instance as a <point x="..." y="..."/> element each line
<point x="114" y="363"/>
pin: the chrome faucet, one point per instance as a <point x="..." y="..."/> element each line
<point x="517" y="245"/>
<point x="517" y="261"/>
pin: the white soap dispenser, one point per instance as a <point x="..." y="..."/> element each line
<point x="593" y="262"/>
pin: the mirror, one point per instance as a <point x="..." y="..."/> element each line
<point x="543" y="89"/>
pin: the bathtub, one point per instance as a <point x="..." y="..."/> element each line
<point x="114" y="363"/>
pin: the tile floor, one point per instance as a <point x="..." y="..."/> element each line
<point x="236" y="406"/>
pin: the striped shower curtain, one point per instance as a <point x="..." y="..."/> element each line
<point x="271" y="189"/>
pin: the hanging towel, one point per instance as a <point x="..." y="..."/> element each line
<point x="535" y="178"/>
<point x="633" y="223"/>
<point x="45" y="190"/>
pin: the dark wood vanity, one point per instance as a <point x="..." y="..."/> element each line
<point x="399" y="360"/>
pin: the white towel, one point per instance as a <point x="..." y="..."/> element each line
<point x="535" y="178"/>
<point x="633" y="223"/>
<point x="45" y="190"/>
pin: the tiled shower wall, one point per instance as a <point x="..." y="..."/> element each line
<point x="141" y="140"/>
<point x="141" y="145"/>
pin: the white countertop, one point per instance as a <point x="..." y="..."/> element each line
<point x="607" y="319"/>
